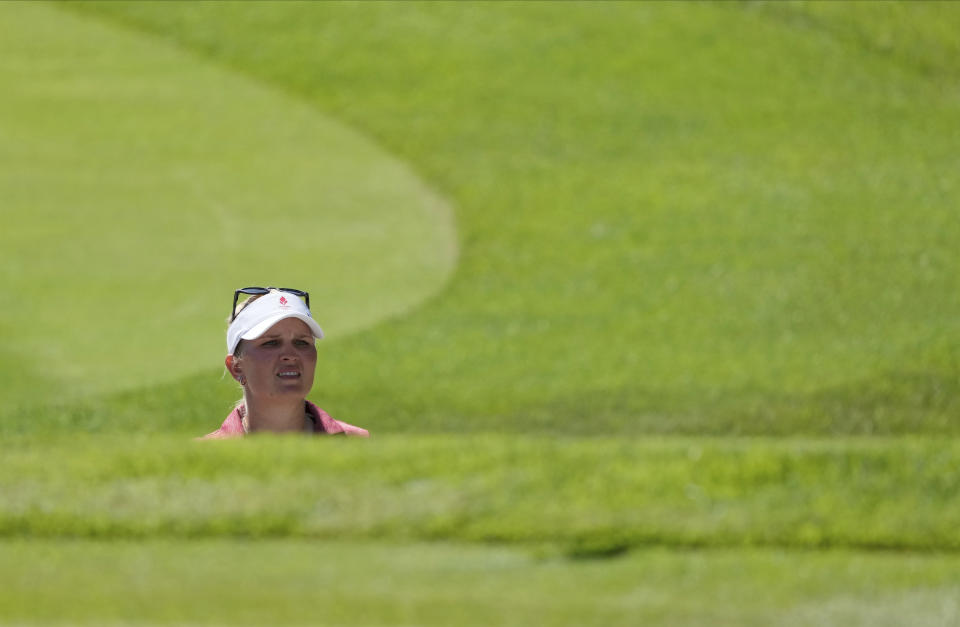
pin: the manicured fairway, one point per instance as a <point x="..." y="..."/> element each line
<point x="724" y="218"/>
<point x="348" y="583"/>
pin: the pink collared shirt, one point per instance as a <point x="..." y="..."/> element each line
<point x="232" y="427"/>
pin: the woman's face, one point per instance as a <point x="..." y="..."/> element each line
<point x="280" y="362"/>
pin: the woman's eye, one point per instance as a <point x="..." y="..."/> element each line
<point x="269" y="343"/>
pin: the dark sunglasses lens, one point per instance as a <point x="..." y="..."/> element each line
<point x="254" y="291"/>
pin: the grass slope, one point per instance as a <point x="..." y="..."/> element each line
<point x="719" y="218"/>
<point x="581" y="496"/>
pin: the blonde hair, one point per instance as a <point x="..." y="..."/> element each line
<point x="241" y="404"/>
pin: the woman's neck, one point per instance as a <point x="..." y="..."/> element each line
<point x="275" y="416"/>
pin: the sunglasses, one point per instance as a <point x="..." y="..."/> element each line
<point x="260" y="291"/>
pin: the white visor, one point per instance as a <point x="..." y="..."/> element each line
<point x="256" y="318"/>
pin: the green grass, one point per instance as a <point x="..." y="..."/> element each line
<point x="296" y="582"/>
<point x="577" y="496"/>
<point x="717" y="218"/>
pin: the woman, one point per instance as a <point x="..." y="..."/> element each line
<point x="271" y="352"/>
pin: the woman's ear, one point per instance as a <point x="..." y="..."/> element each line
<point x="233" y="365"/>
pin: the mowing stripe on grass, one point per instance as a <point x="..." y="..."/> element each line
<point x="303" y="582"/>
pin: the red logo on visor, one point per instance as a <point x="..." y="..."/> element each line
<point x="283" y="300"/>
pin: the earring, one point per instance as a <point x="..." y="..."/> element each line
<point x="242" y="380"/>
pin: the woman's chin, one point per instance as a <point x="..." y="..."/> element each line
<point x="290" y="389"/>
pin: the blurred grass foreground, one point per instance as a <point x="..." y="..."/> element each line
<point x="676" y="283"/>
